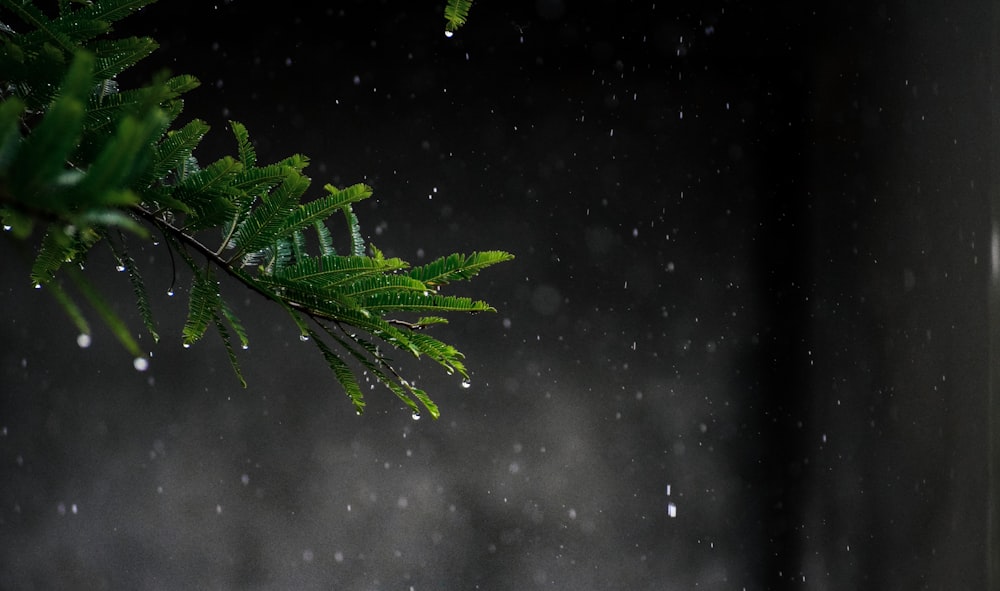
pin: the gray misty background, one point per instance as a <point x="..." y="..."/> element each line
<point x="744" y="344"/>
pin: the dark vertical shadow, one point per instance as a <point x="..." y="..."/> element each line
<point x="782" y="273"/>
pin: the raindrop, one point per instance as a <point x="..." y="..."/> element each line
<point x="416" y="415"/>
<point x="449" y="34"/>
<point x="186" y="345"/>
<point x="83" y="340"/>
<point x="6" y="228"/>
<point x="170" y="292"/>
<point x="245" y="346"/>
<point x="303" y="337"/>
<point x="120" y="267"/>
<point x="38" y="286"/>
<point x="466" y="383"/>
<point x="140" y="363"/>
<point x="671" y="510"/>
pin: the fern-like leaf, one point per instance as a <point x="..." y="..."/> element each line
<point x="325" y="239"/>
<point x="264" y="224"/>
<point x="420" y="302"/>
<point x="458" y="267"/>
<point x="209" y="193"/>
<point x="228" y="344"/>
<point x="234" y="321"/>
<point x="341" y="371"/>
<point x="323" y="207"/>
<point x="177" y="146"/>
<point x="115" y="56"/>
<point x="202" y="306"/>
<point x="333" y="270"/>
<point x="245" y="151"/>
<point x="354" y="231"/>
<point x="456" y="12"/>
<point x="138" y="287"/>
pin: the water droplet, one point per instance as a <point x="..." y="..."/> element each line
<point x="245" y="346"/>
<point x="83" y="340"/>
<point x="6" y="228"/>
<point x="466" y="383"/>
<point x="140" y="363"/>
<point x="186" y="345"/>
<point x="449" y="34"/>
<point x="38" y="286"/>
<point x="416" y="416"/>
<point x="120" y="268"/>
<point x="303" y="337"/>
<point x="170" y="292"/>
<point x="671" y="510"/>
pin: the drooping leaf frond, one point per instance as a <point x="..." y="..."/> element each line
<point x="202" y="306"/>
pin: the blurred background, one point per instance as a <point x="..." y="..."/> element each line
<point x="744" y="344"/>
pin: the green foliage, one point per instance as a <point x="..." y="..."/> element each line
<point x="98" y="165"/>
<point x="456" y="12"/>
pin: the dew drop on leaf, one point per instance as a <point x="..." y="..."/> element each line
<point x="448" y="33"/>
<point x="466" y="383"/>
<point x="303" y="337"/>
<point x="83" y="340"/>
<point x="416" y="416"/>
<point x="140" y="363"/>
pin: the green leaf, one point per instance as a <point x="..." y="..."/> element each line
<point x="44" y="152"/>
<point x="123" y="159"/>
<point x="202" y="307"/>
<point x="111" y="319"/>
<point x="391" y="284"/>
<point x="323" y="207"/>
<point x="209" y="193"/>
<point x="56" y="249"/>
<point x="457" y="267"/>
<point x="115" y="56"/>
<point x="177" y="146"/>
<point x="69" y="306"/>
<point x="264" y="224"/>
<point x="354" y="230"/>
<point x="234" y="321"/>
<point x="419" y="302"/>
<point x="246" y="153"/>
<point x="456" y="12"/>
<point x="325" y="239"/>
<point x="228" y="344"/>
<point x="426" y="401"/>
<point x="334" y="270"/>
<point x="138" y="287"/>
<point x="342" y="372"/>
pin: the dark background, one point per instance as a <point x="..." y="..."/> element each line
<point x="744" y="344"/>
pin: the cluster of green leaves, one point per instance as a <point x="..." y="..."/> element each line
<point x="96" y="164"/>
